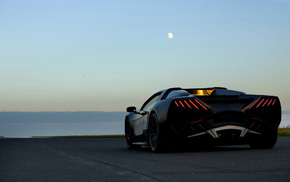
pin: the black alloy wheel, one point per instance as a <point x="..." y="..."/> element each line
<point x="155" y="140"/>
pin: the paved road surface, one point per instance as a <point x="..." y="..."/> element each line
<point x="108" y="159"/>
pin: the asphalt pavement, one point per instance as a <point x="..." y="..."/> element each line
<point x="108" y="159"/>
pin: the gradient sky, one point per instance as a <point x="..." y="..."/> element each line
<point x="107" y="55"/>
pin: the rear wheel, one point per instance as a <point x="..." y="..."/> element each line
<point x="264" y="141"/>
<point x="155" y="139"/>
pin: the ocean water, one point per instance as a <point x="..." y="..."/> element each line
<point x="28" y="124"/>
<point x="285" y="121"/>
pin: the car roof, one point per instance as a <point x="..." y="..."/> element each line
<point x="165" y="92"/>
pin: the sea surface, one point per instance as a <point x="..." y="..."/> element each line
<point x="28" y="124"/>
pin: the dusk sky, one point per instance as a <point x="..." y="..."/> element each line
<point x="107" y="55"/>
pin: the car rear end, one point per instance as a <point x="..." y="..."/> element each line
<point x="224" y="116"/>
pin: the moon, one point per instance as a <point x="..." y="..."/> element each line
<point x="170" y="35"/>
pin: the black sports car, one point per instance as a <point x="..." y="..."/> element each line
<point x="211" y="115"/>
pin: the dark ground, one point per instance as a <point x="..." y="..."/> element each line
<point x="108" y="159"/>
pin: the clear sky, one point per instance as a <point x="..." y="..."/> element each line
<point x="107" y="55"/>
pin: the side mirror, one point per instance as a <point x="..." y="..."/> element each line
<point x="131" y="109"/>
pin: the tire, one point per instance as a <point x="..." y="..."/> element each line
<point x="129" y="134"/>
<point x="155" y="138"/>
<point x="266" y="141"/>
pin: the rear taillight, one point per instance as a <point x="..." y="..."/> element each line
<point x="201" y="104"/>
<point x="190" y="104"/>
<point x="263" y="102"/>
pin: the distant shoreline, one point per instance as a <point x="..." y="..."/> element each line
<point x="82" y="136"/>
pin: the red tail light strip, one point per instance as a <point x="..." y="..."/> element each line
<point x="265" y="103"/>
<point x="193" y="104"/>
<point x="197" y="121"/>
<point x="256" y="119"/>
<point x="200" y="104"/>
<point x="270" y="102"/>
<point x="181" y="104"/>
<point x="187" y="104"/>
<point x="260" y="103"/>
<point x="176" y="104"/>
<point x="254" y="104"/>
